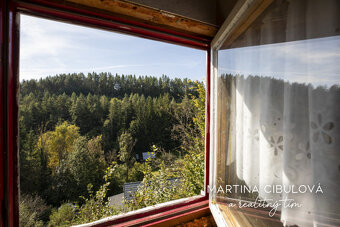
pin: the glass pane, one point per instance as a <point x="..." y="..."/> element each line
<point x="109" y="123"/>
<point x="279" y="118"/>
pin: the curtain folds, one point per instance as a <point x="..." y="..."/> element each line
<point x="288" y="134"/>
<point x="284" y="103"/>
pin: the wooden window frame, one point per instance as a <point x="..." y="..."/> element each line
<point x="9" y="104"/>
<point x="240" y="18"/>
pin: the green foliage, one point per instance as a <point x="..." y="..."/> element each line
<point x="189" y="170"/>
<point x="63" y="216"/>
<point x="86" y="165"/>
<point x="193" y="162"/>
<point x="192" y="171"/>
<point x="107" y="84"/>
<point x="126" y="144"/>
<point x="72" y="126"/>
<point x="155" y="188"/>
<point x="33" y="211"/>
<point x="118" y="179"/>
<point x="199" y="118"/>
<point x="31" y="163"/>
<point x="58" y="143"/>
<point x="96" y="206"/>
<point x="136" y="173"/>
<point x="65" y="162"/>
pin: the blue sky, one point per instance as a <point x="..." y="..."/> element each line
<point x="314" y="61"/>
<point x="49" y="47"/>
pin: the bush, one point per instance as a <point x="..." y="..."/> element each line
<point x="63" y="216"/>
<point x="33" y="211"/>
<point x="156" y="187"/>
<point x="117" y="180"/>
<point x="136" y="172"/>
<point x="189" y="170"/>
<point x="192" y="172"/>
<point x="97" y="206"/>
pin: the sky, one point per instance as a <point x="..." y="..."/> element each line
<point x="48" y="48"/>
<point x="314" y="61"/>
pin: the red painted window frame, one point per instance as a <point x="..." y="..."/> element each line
<point x="9" y="89"/>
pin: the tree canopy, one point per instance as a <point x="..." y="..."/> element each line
<point x="73" y="127"/>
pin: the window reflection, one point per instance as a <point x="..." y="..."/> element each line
<point x="278" y="118"/>
<point x="308" y="61"/>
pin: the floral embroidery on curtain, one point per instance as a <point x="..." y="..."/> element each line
<point x="279" y="109"/>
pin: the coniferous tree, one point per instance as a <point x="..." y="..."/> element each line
<point x="126" y="144"/>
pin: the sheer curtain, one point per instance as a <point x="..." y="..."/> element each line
<point x="288" y="134"/>
<point x="285" y="108"/>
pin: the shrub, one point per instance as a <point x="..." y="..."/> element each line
<point x="33" y="211"/>
<point x="189" y="170"/>
<point x="136" y="172"/>
<point x="97" y="206"/>
<point x="63" y="216"/>
<point x="117" y="180"/>
<point x="156" y="187"/>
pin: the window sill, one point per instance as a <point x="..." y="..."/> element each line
<point x="173" y="212"/>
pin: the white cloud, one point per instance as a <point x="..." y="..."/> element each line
<point x="49" y="47"/>
<point x="40" y="43"/>
<point x="44" y="37"/>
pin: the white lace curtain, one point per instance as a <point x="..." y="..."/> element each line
<point x="286" y="130"/>
<point x="289" y="134"/>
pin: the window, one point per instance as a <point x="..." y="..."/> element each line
<point x="277" y="93"/>
<point x="89" y="98"/>
<point x="10" y="160"/>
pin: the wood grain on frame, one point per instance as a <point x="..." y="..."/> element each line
<point x="150" y="15"/>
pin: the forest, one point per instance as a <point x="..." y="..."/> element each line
<point x="82" y="137"/>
